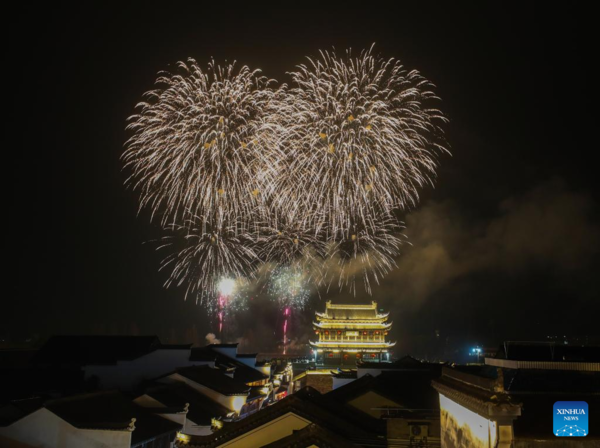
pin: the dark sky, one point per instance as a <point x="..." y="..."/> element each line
<point x="504" y="247"/>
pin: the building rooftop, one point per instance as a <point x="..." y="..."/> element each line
<point x="98" y="350"/>
<point x="214" y="379"/>
<point x="229" y="345"/>
<point x="101" y="410"/>
<point x="201" y="408"/>
<point x="412" y="390"/>
<point x="350" y="311"/>
<point x="17" y="409"/>
<point x="547" y="351"/>
<point x="406" y="362"/>
<point x="241" y="371"/>
<point x="307" y="403"/>
<point x="312" y="436"/>
<point x="345" y="373"/>
<point x="246" y="355"/>
<point x="202" y="354"/>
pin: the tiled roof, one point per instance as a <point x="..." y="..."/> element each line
<point x="406" y="362"/>
<point x="547" y="351"/>
<point x="202" y="354"/>
<point x="214" y="379"/>
<point x="41" y="381"/>
<point x="17" y="409"/>
<point x="341" y="313"/>
<point x="242" y="372"/>
<point x="409" y="389"/>
<point x="312" y="435"/>
<point x="231" y="345"/>
<point x="111" y="410"/>
<point x="344" y="373"/>
<point x="307" y="403"/>
<point x="201" y="408"/>
<point x="97" y="350"/>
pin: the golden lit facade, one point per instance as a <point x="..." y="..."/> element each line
<point x="348" y="333"/>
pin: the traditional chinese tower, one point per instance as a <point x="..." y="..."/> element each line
<point x="348" y="333"/>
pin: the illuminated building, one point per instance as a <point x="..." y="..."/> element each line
<point x="348" y="333"/>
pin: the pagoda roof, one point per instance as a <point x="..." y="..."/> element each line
<point x="351" y="312"/>
<point x="353" y="324"/>
<point x="351" y="344"/>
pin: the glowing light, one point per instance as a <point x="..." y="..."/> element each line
<point x="183" y="437"/>
<point x="227" y="286"/>
<point x="238" y="403"/>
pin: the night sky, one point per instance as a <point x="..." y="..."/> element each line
<point x="505" y="247"/>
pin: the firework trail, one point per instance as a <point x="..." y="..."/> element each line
<point x="286" y="315"/>
<point x="226" y="289"/>
<point x="288" y="285"/>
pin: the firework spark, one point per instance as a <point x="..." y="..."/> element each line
<point x="289" y="287"/>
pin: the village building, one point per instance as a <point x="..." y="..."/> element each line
<point x="116" y="362"/>
<point x="99" y="420"/>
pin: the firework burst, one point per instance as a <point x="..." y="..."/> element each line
<point x="361" y="136"/>
<point x="200" y="257"/>
<point x="310" y="179"/>
<point x="198" y="144"/>
<point x="366" y="251"/>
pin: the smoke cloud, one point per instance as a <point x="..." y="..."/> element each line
<point x="550" y="227"/>
<point x="211" y="338"/>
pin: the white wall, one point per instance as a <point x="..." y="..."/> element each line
<point x="126" y="375"/>
<point x="194" y="429"/>
<point x="149" y="402"/>
<point x="265" y="370"/>
<point x="43" y="429"/>
<point x="189" y="427"/>
<point x="339" y="382"/>
<point x="373" y="372"/>
<point x="462" y="427"/>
